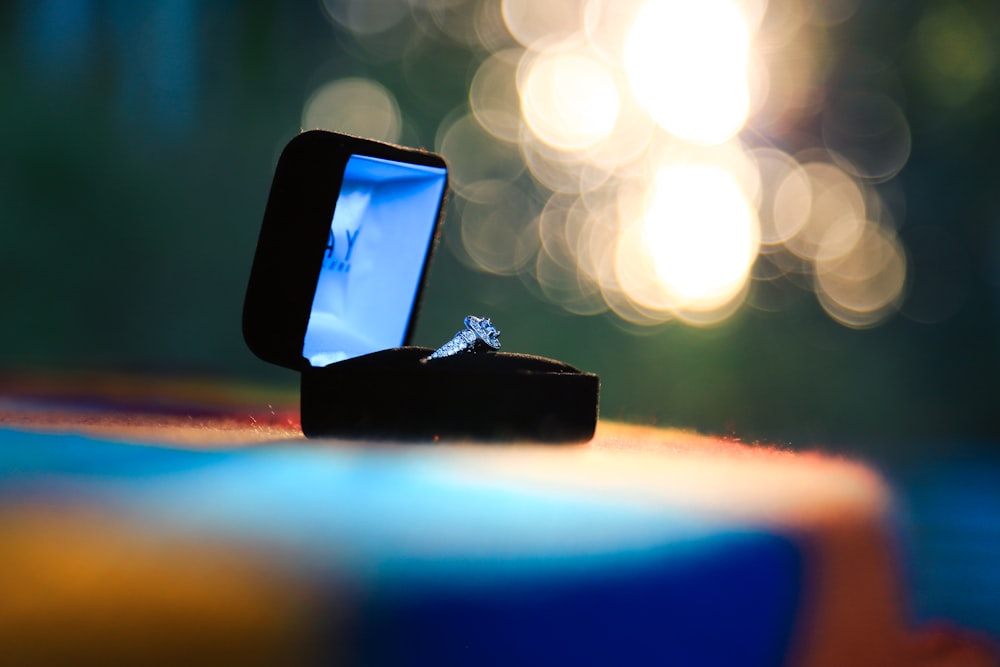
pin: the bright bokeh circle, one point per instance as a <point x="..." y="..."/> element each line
<point x="687" y="63"/>
<point x="602" y="153"/>
<point x="569" y="98"/>
<point x="702" y="235"/>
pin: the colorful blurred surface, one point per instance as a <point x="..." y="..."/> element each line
<point x="176" y="538"/>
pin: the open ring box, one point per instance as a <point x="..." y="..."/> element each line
<point x="334" y="293"/>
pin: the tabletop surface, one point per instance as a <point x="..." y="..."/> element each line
<point x="795" y="554"/>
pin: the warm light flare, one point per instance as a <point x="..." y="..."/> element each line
<point x="687" y="63"/>
<point x="598" y="155"/>
<point x="702" y="235"/>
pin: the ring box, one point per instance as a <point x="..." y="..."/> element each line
<point x="344" y="248"/>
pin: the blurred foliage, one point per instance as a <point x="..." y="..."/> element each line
<point x="135" y="165"/>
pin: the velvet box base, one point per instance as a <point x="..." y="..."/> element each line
<point x="494" y="396"/>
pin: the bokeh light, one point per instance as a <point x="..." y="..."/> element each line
<point x="648" y="157"/>
<point x="687" y="64"/>
<point x="568" y="98"/>
<point x="474" y="156"/>
<point x="372" y="111"/>
<point x="702" y="235"/>
<point x="530" y="21"/>
<point x="861" y="287"/>
<point x="493" y="95"/>
<point x="836" y="214"/>
<point x="867" y="134"/>
<point x="499" y="228"/>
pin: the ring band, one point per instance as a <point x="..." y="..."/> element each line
<point x="479" y="333"/>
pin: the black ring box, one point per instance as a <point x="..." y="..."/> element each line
<point x="485" y="396"/>
<point x="395" y="392"/>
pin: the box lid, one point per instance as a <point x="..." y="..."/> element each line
<point x="343" y="250"/>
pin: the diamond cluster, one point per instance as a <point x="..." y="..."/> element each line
<point x="478" y="330"/>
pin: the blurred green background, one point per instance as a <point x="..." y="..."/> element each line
<point x="138" y="140"/>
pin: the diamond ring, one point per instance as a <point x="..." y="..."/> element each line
<point x="479" y="332"/>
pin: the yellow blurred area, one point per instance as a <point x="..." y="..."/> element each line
<point x="619" y="153"/>
<point x="85" y="587"/>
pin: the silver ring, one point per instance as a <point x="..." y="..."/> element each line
<point x="479" y="333"/>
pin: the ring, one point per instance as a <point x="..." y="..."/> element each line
<point x="479" y="333"/>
